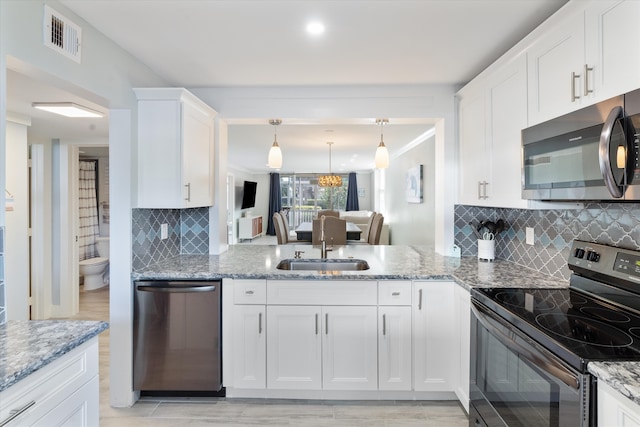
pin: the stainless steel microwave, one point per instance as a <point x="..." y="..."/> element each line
<point x="589" y="154"/>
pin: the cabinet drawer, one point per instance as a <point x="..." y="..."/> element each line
<point x="323" y="292"/>
<point x="250" y="291"/>
<point x="50" y="385"/>
<point x="394" y="293"/>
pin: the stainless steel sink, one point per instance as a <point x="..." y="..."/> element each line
<point x="323" y="264"/>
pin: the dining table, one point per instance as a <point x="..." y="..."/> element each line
<point x="304" y="231"/>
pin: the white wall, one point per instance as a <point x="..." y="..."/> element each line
<point x="16" y="268"/>
<point x="106" y="76"/>
<point x="411" y="223"/>
<point x="262" y="197"/>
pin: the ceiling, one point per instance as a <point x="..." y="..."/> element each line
<point x="232" y="43"/>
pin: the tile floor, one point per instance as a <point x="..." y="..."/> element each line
<point x="94" y="305"/>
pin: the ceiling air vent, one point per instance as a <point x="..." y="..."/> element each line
<point x="62" y="35"/>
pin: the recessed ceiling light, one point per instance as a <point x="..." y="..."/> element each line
<point x="315" y="28"/>
<point x="68" y="109"/>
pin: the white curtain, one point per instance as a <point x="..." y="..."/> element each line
<point x="89" y="228"/>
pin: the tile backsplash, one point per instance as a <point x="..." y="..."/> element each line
<point x="188" y="233"/>
<point x="616" y="224"/>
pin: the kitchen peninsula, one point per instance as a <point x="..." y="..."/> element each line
<point x="397" y="330"/>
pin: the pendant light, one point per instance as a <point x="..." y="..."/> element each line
<point x="382" y="154"/>
<point x="330" y="180"/>
<point x="275" y="154"/>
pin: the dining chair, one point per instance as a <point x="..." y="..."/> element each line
<point x="278" y="223"/>
<point x="335" y="231"/>
<point x="376" y="229"/>
<point x="328" y="213"/>
<point x="287" y="229"/>
<point x="367" y="232"/>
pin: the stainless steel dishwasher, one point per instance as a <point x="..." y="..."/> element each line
<point x="177" y="336"/>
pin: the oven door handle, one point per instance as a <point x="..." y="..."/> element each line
<point x="531" y="351"/>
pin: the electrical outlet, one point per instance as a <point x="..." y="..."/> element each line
<point x="164" y="231"/>
<point x="529" y="236"/>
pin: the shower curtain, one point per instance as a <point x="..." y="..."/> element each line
<point x="88" y="203"/>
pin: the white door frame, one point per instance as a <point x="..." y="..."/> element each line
<point x="231" y="203"/>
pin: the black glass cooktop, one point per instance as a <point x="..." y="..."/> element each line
<point x="572" y="324"/>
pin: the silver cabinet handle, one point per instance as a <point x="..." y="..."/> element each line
<point x="384" y="324"/>
<point x="587" y="91"/>
<point x="259" y="323"/>
<point x="15" y="413"/>
<point x="419" y="299"/>
<point x="326" y="323"/>
<point x="479" y="190"/>
<point x="188" y="198"/>
<point x="248" y="292"/>
<point x="574" y="77"/>
<point x="395" y="294"/>
<point x="316" y="323"/>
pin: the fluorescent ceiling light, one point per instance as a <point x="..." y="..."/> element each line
<point x="68" y="109"/>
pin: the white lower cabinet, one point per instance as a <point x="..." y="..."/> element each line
<point x="350" y="348"/>
<point x="614" y="409"/>
<point x="62" y="393"/>
<point x="394" y="348"/>
<point x="313" y="348"/>
<point x="463" y="331"/>
<point x="294" y="347"/>
<point x="434" y="341"/>
<point x="346" y="339"/>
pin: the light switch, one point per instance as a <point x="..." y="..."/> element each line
<point x="529" y="235"/>
<point x="164" y="231"/>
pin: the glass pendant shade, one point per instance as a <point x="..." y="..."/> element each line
<point x="275" y="156"/>
<point x="274" y="160"/>
<point x="382" y="156"/>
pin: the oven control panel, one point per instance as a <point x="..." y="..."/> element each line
<point x="588" y="258"/>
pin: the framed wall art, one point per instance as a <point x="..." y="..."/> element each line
<point x="414" y="185"/>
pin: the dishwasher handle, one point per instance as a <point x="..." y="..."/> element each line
<point x="175" y="287"/>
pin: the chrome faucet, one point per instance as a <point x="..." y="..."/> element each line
<point x="323" y="243"/>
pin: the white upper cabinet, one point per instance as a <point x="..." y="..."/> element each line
<point x="584" y="58"/>
<point x="611" y="30"/>
<point x="175" y="149"/>
<point x="556" y="63"/>
<point x="492" y="115"/>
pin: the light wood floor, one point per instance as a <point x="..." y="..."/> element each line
<point x="94" y="305"/>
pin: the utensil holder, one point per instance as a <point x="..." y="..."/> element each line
<point x="486" y="250"/>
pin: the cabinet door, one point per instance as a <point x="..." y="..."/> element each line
<point x="294" y="348"/>
<point x="249" y="346"/>
<point x="611" y="26"/>
<point x="507" y="101"/>
<point x="394" y="348"/>
<point x="80" y="409"/>
<point x="474" y="163"/>
<point x="349" y="348"/>
<point x="614" y="409"/>
<point x="463" y="325"/>
<point x="197" y="156"/>
<point x="551" y="62"/>
<point x="435" y="341"/>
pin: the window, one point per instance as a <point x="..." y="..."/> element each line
<point x="302" y="198"/>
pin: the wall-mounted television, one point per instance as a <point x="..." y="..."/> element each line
<point x="249" y="194"/>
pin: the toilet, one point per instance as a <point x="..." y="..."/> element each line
<point x="96" y="270"/>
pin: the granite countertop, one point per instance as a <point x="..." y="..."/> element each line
<point x="28" y="345"/>
<point x="386" y="263"/>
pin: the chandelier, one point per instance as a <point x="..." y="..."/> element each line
<point x="330" y="180"/>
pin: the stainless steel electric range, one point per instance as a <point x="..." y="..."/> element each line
<point x="530" y="347"/>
